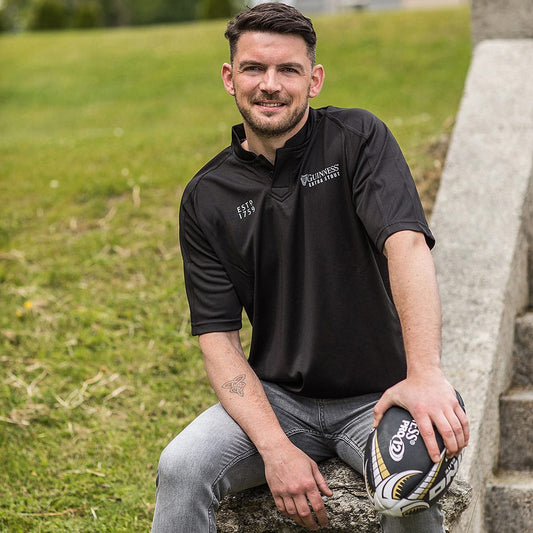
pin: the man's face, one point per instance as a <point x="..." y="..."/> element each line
<point x="272" y="80"/>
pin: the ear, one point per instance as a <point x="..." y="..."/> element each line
<point x="227" y="78"/>
<point x="317" y="80"/>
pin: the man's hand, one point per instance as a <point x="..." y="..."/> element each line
<point x="432" y="401"/>
<point x="296" y="485"/>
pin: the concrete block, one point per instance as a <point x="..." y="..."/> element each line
<point x="481" y="255"/>
<point x="516" y="430"/>
<point x="502" y="19"/>
<point x="509" y="504"/>
<point x="254" y="511"/>
<point x="523" y="351"/>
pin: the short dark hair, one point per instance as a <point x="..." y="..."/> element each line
<point x="272" y="17"/>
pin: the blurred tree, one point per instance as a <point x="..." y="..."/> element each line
<point x="48" y="15"/>
<point x="215" y="9"/>
<point x="115" y="12"/>
<point x="4" y="20"/>
<point x="56" y="14"/>
<point x="161" y="11"/>
<point x="87" y="14"/>
<point x="14" y="14"/>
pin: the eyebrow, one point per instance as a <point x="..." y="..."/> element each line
<point x="250" y="63"/>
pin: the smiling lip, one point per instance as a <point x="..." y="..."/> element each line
<point x="270" y="104"/>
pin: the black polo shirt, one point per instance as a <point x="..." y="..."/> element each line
<point x="299" y="245"/>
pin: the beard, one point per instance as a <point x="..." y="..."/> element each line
<point x="262" y="127"/>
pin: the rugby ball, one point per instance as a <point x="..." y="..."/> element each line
<point x="400" y="477"/>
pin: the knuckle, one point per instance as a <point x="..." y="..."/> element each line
<point x="457" y="428"/>
<point x="305" y="513"/>
<point x="448" y="434"/>
<point x="455" y="403"/>
<point x="427" y="432"/>
<point x="319" y="506"/>
<point x="418" y="410"/>
<point x="293" y="490"/>
<point x="308" y="486"/>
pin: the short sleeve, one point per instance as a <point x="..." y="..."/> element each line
<point x="384" y="191"/>
<point x="213" y="302"/>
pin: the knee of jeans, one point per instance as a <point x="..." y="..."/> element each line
<point x="174" y="466"/>
<point x="187" y="466"/>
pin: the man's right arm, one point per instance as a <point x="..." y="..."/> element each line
<point x="293" y="477"/>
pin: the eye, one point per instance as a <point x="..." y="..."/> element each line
<point x="251" y="68"/>
<point x="291" y="69"/>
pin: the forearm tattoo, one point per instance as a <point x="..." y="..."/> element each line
<point x="236" y="385"/>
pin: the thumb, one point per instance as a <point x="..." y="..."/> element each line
<point x="321" y="482"/>
<point x="380" y="408"/>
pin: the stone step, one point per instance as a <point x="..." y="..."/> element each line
<point x="523" y="351"/>
<point x="509" y="503"/>
<point x="516" y="429"/>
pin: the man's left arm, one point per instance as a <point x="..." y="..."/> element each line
<point x="425" y="392"/>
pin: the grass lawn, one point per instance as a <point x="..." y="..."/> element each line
<point x="99" y="133"/>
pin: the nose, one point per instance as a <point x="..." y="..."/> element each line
<point x="270" y="82"/>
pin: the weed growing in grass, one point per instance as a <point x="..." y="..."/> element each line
<point x="100" y="131"/>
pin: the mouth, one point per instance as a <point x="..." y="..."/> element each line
<point x="269" y="104"/>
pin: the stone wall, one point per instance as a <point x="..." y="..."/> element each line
<point x="502" y="19"/>
<point x="482" y="222"/>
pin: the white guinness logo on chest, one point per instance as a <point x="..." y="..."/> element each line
<point x="316" y="178"/>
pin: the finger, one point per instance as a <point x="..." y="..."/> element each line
<point x="461" y="415"/>
<point x="280" y="504"/>
<point x="428" y="435"/>
<point x="457" y="437"/>
<point x="321" y="482"/>
<point x="451" y="430"/>
<point x="304" y="512"/>
<point x="292" y="511"/>
<point x="290" y="507"/>
<point x="317" y="504"/>
<point x="380" y="408"/>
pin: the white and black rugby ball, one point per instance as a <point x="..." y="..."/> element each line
<point x="400" y="477"/>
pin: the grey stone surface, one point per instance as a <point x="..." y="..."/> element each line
<point x="502" y="19"/>
<point x="516" y="430"/>
<point x="516" y="405"/>
<point x="509" y="504"/>
<point x="253" y="511"/>
<point x="523" y="350"/>
<point x="482" y="222"/>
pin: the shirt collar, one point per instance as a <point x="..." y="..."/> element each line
<point x="239" y="136"/>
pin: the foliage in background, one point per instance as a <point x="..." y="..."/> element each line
<point x="48" y="15"/>
<point x="99" y="133"/>
<point x="16" y="15"/>
<point x="215" y="9"/>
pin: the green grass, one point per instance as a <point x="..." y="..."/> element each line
<point x="99" y="133"/>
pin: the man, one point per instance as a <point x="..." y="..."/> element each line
<point x="310" y="221"/>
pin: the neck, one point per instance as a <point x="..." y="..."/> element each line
<point x="266" y="145"/>
<point x="263" y="146"/>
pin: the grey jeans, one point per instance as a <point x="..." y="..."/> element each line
<point x="213" y="457"/>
